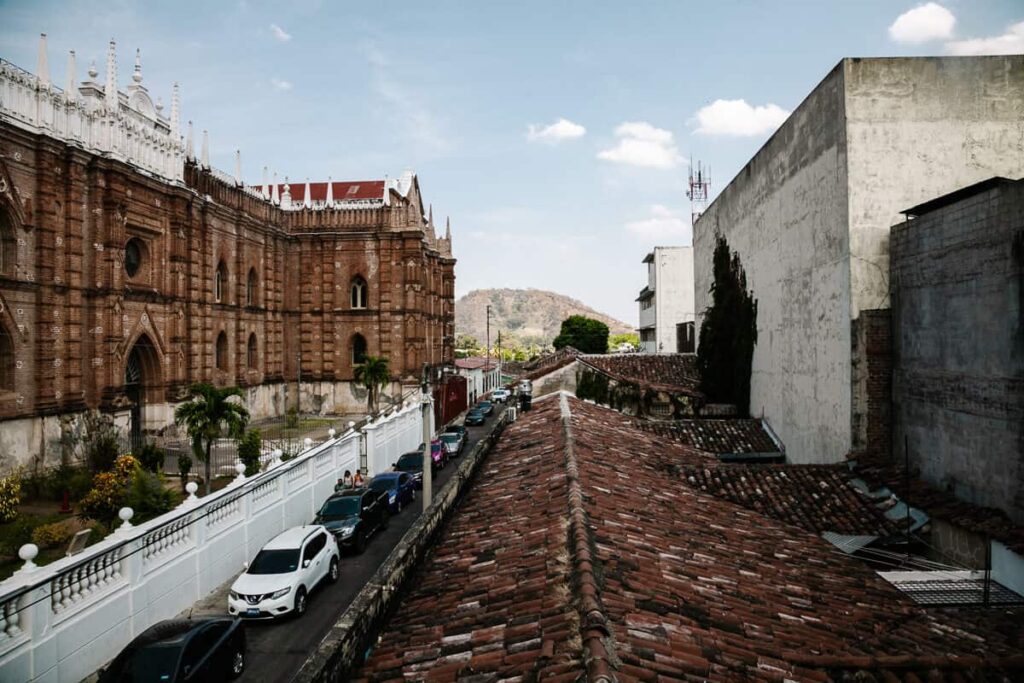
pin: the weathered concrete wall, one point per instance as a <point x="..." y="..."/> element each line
<point x="958" y="388"/>
<point x="562" y="379"/>
<point x="786" y="215"/>
<point x="674" y="294"/>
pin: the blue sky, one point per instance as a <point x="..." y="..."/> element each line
<point x="555" y="134"/>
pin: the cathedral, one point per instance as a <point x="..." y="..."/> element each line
<point x="130" y="269"/>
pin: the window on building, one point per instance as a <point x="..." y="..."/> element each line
<point x="6" y="361"/>
<point x="220" y="281"/>
<point x="134" y="254"/>
<point x="220" y="352"/>
<point x="251" y="352"/>
<point x="358" y="349"/>
<point x="8" y="245"/>
<point x="685" y="338"/>
<point x="250" y="288"/>
<point x="358" y="293"/>
<point x="647" y="335"/>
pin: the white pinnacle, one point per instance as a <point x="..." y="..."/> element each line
<point x="110" y="91"/>
<point x="71" y="90"/>
<point x="275" y="193"/>
<point x="305" y="200"/>
<point x="43" y="67"/>
<point x="205" y="161"/>
<point x="330" y="192"/>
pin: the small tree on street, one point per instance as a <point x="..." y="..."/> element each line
<point x="584" y="334"/>
<point x="728" y="333"/>
<point x="373" y="373"/>
<point x="208" y="413"/>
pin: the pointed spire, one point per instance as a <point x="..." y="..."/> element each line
<point x="286" y="195"/>
<point x="43" y="66"/>
<point x="387" y="191"/>
<point x="305" y="200"/>
<point x="266" y="187"/>
<point x="71" y="91"/>
<point x="448" y="228"/>
<point x="175" y="110"/>
<point x="110" y="91"/>
<point x="205" y="161"/>
<point x="238" y="167"/>
<point x="137" y="75"/>
<point x="190" y="145"/>
<point x="430" y="216"/>
<point x="330" y="191"/>
<point x="275" y="193"/>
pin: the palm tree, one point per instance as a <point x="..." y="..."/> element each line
<point x="373" y="374"/>
<point x="205" y="415"/>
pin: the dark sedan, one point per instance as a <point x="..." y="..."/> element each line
<point x="353" y="514"/>
<point x="457" y="429"/>
<point x="475" y="417"/>
<point x="399" y="486"/>
<point x="485" y="407"/>
<point x="412" y="463"/>
<point x="181" y="650"/>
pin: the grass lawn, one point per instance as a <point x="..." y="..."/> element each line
<point x="35" y="513"/>
<point x="279" y="431"/>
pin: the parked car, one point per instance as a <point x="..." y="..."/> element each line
<point x="288" y="567"/>
<point x="475" y="417"/>
<point x="353" y="515"/>
<point x="412" y="463"/>
<point x="457" y="429"/>
<point x="485" y="407"/>
<point x="453" y="443"/>
<point x="438" y="453"/>
<point x="500" y="395"/>
<point x="211" y="649"/>
<point x="399" y="486"/>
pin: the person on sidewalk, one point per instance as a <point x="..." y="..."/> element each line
<point x="358" y="481"/>
<point x="345" y="482"/>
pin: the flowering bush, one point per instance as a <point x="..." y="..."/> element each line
<point x="10" y="497"/>
<point x="127" y="485"/>
<point x="124" y="467"/>
<point x="104" y="500"/>
<point x="50" y="535"/>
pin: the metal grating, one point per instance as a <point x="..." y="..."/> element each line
<point x="955" y="589"/>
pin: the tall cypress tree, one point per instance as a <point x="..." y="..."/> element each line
<point x="728" y="333"/>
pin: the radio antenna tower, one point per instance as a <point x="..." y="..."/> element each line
<point x="698" y="192"/>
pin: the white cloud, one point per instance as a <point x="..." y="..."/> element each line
<point x="641" y="144"/>
<point x="736" y="117"/>
<point x="1009" y="43"/>
<point x="281" y="84"/>
<point x="663" y="224"/>
<point x="929" y="21"/>
<point x="562" y="129"/>
<point x="280" y="33"/>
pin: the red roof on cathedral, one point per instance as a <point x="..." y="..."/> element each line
<point x="343" y="190"/>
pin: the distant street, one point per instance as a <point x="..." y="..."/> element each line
<point x="278" y="649"/>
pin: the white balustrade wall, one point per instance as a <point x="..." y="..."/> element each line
<point x="393" y="435"/>
<point x="63" y="621"/>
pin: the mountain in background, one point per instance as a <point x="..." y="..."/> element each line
<point x="532" y="316"/>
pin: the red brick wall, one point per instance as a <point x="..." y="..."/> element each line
<point x="872" y="386"/>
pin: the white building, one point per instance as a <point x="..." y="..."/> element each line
<point x="666" y="303"/>
<point x="482" y="377"/>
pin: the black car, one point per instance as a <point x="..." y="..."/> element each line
<point x="412" y="462"/>
<point x="457" y="429"/>
<point x="485" y="407"/>
<point x="191" y="650"/>
<point x="353" y="514"/>
<point x="475" y="417"/>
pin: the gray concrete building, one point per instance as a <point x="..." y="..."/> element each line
<point x="810" y="215"/>
<point x="957" y="271"/>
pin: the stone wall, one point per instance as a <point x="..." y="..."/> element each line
<point x="958" y="388"/>
<point x="872" y="381"/>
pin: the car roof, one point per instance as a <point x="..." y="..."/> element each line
<point x="386" y="475"/>
<point x="172" y="631"/>
<point x="291" y="538"/>
<point x="349" y="493"/>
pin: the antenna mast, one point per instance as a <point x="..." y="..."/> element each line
<point x="698" y="192"/>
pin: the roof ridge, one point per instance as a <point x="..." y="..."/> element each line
<point x="598" y="643"/>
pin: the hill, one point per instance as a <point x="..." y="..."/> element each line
<point x="533" y="316"/>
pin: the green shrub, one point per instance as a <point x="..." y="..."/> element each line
<point x="291" y="418"/>
<point x="103" y="451"/>
<point x="52" y="535"/>
<point x="10" y="497"/>
<point x="249" y="451"/>
<point x="184" y="467"/>
<point x="14" y="535"/>
<point x="147" y="496"/>
<point x="104" y="499"/>
<point x="151" y="457"/>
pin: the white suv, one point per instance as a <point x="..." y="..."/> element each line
<point x="500" y="395"/>
<point x="283" y="573"/>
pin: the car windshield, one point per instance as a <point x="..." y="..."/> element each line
<point x="152" y="663"/>
<point x="450" y="438"/>
<point x="382" y="484"/>
<point x="275" y="561"/>
<point x="336" y="508"/>
<point x="410" y="461"/>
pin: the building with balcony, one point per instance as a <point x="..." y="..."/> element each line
<point x="666" y="303"/>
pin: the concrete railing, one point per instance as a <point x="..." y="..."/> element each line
<point x="344" y="647"/>
<point x="392" y="435"/>
<point x="63" y="621"/>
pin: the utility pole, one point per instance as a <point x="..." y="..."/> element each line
<point x="487" y="365"/>
<point x="428" y="462"/>
<point x="499" y="357"/>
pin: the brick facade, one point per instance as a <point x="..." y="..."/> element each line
<point x="74" y="318"/>
<point x="871" y="333"/>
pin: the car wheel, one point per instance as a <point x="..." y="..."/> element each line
<point x="332" y="573"/>
<point x="300" y="602"/>
<point x="384" y="519"/>
<point x="237" y="663"/>
<point x="359" y="545"/>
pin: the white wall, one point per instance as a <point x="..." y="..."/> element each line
<point x="674" y="300"/>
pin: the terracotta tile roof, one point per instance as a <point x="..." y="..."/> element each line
<point x="475" y="363"/>
<point x="815" y="498"/>
<point x="567" y="560"/>
<point x="715" y="436"/>
<point x="666" y="371"/>
<point x="550" y="362"/>
<point x="878" y="471"/>
<point x="343" y="191"/>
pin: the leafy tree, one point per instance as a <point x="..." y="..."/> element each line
<point x="584" y="334"/>
<point x="728" y="333"/>
<point x="467" y="342"/>
<point x="207" y="413"/>
<point x="373" y="373"/>
<point x="616" y="340"/>
<point x="249" y="451"/>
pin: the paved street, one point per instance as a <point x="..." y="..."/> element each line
<point x="278" y="649"/>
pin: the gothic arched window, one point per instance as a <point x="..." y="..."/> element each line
<point x="6" y="361"/>
<point x="220" y="352"/>
<point x="359" y="292"/>
<point x="220" y="281"/>
<point x="8" y="245"/>
<point x="250" y="288"/>
<point x="251" y="353"/>
<point x="358" y="349"/>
